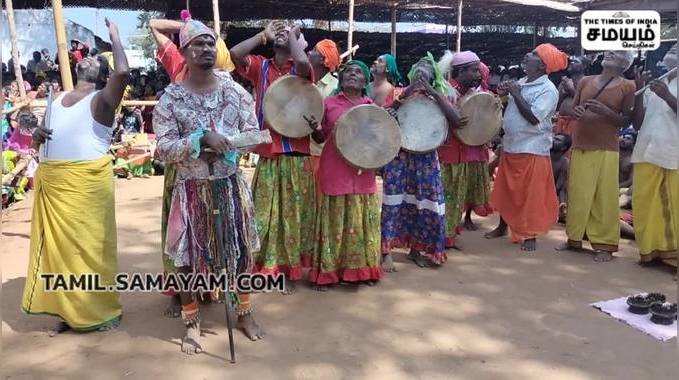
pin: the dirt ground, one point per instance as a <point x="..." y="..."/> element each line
<point x="491" y="312"/>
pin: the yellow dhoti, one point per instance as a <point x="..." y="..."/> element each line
<point x="73" y="232"/>
<point x="655" y="203"/>
<point x="593" y="191"/>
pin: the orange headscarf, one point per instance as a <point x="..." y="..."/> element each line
<point x="553" y="58"/>
<point x="328" y="49"/>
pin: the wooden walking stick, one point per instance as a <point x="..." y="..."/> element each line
<point x="219" y="233"/>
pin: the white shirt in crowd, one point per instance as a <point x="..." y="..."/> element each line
<point x="658" y="139"/>
<point x="520" y="135"/>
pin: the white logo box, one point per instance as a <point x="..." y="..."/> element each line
<point x="620" y="30"/>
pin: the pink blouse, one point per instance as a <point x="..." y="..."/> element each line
<point x="454" y="151"/>
<point x="337" y="177"/>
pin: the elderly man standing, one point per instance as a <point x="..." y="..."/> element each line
<point x="283" y="187"/>
<point x="655" y="199"/>
<point x="73" y="228"/>
<point x="524" y="194"/>
<point x="602" y="105"/>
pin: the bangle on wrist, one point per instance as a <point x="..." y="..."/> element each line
<point x="262" y="38"/>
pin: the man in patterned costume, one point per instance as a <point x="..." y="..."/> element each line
<point x="207" y="110"/>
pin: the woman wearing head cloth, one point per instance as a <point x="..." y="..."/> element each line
<point x="386" y="80"/>
<point x="325" y="60"/>
<point x="347" y="246"/>
<point x="413" y="206"/>
<point x="464" y="168"/>
<point x="602" y="106"/>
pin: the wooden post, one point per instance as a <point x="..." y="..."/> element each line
<point x="15" y="50"/>
<point x="2" y="163"/>
<point x="215" y="11"/>
<point x="393" y="29"/>
<point x="447" y="37"/>
<point x="458" y="45"/>
<point x="535" y="35"/>
<point x="350" y="36"/>
<point x="579" y="37"/>
<point x="62" y="47"/>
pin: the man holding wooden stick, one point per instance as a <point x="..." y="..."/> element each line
<point x="173" y="62"/>
<point x="207" y="110"/>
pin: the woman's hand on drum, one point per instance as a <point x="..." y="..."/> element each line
<point x="409" y="91"/>
<point x="317" y="135"/>
<point x="312" y="122"/>
<point x="462" y="122"/>
<point x="216" y="142"/>
<point x="429" y="90"/>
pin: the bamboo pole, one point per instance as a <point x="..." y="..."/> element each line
<point x="62" y="47"/>
<point x="215" y="11"/>
<point x="350" y="36"/>
<point x="2" y="170"/>
<point x="535" y="35"/>
<point x="458" y="45"/>
<point x="15" y="50"/>
<point x="447" y="37"/>
<point x="393" y="29"/>
<point x="42" y="103"/>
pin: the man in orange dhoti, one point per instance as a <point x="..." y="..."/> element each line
<point x="524" y="192"/>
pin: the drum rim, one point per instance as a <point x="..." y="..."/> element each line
<point x="446" y="134"/>
<point x="282" y="79"/>
<point x="467" y="98"/>
<point x="335" y="129"/>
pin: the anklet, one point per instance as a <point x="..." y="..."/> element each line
<point x="190" y="313"/>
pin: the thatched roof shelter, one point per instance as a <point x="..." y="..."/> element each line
<point x="476" y="12"/>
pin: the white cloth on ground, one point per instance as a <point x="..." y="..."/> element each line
<point x="617" y="308"/>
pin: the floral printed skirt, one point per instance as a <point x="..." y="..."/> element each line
<point x="478" y="188"/>
<point x="467" y="186"/>
<point x="285" y="209"/>
<point x="347" y="240"/>
<point x="413" y="206"/>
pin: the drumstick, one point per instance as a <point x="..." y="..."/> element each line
<point x="659" y="78"/>
<point x="348" y="52"/>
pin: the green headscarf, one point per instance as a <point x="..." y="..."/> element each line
<point x="392" y="69"/>
<point x="364" y="69"/>
<point x="440" y="83"/>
